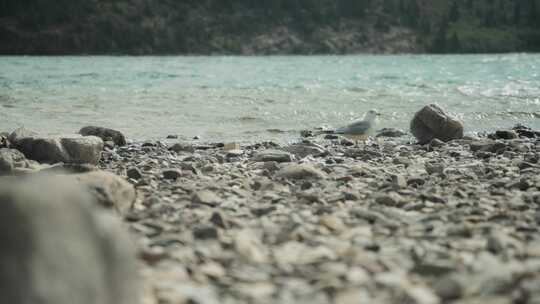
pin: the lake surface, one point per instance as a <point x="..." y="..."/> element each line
<point x="262" y="98"/>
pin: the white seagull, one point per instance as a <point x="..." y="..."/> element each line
<point x="360" y="129"/>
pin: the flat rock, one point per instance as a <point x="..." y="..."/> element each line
<point x="65" y="149"/>
<point x="105" y="134"/>
<point x="505" y="134"/>
<point x="273" y="155"/>
<point x="300" y="171"/>
<point x="181" y="147"/>
<point x="205" y="197"/>
<point x="57" y="248"/>
<point x="432" y="122"/>
<point x="303" y="150"/>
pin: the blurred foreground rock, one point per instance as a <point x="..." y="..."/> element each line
<point x="109" y="190"/>
<point x="57" y="248"/>
<point x="432" y="122"/>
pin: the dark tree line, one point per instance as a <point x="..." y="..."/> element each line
<point x="191" y="26"/>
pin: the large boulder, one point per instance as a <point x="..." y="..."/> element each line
<point x="432" y="122"/>
<point x="55" y="149"/>
<point x="57" y="248"/>
<point x="105" y="134"/>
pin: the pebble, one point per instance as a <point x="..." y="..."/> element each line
<point x="273" y="156"/>
<point x="134" y="173"/>
<point x="172" y="174"/>
<point x="300" y="171"/>
<point x="206" y="197"/>
<point x="448" y="288"/>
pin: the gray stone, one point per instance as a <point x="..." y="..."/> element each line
<point x="171" y="173"/>
<point x="390" y="132"/>
<point x="134" y="173"/>
<point x="300" y="171"/>
<point x="86" y="149"/>
<point x="485" y="145"/>
<point x="180" y="147"/>
<point x="432" y="122"/>
<point x="105" y="134"/>
<point x="303" y="150"/>
<point x="434" y="168"/>
<point x="56" y="249"/>
<point x="205" y="232"/>
<point x="205" y="197"/>
<point x="436" y="143"/>
<point x="505" y="134"/>
<point x="399" y="181"/>
<point x="273" y="155"/>
<point x="56" y="149"/>
<point x="391" y="199"/>
<point x="219" y="219"/>
<point x="448" y="288"/>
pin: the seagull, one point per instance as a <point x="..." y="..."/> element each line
<point x="362" y="128"/>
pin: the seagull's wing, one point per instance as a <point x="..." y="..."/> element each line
<point x="359" y="127"/>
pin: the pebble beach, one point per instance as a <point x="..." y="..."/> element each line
<point x="330" y="221"/>
<point x="322" y="220"/>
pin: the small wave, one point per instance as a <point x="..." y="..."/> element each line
<point x="388" y="77"/>
<point x="522" y="114"/>
<point x="157" y="75"/>
<point x="90" y="75"/>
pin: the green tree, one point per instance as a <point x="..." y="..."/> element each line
<point x="533" y="13"/>
<point x="517" y="13"/>
<point x="439" y="44"/>
<point x="454" y="12"/>
<point x="454" y="45"/>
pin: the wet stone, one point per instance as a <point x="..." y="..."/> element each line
<point x="205" y="232"/>
<point x="134" y="173"/>
<point x="505" y="134"/>
<point x="171" y="174"/>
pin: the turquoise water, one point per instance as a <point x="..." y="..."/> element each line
<point x="256" y="98"/>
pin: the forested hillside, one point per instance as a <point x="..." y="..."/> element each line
<point x="267" y="26"/>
